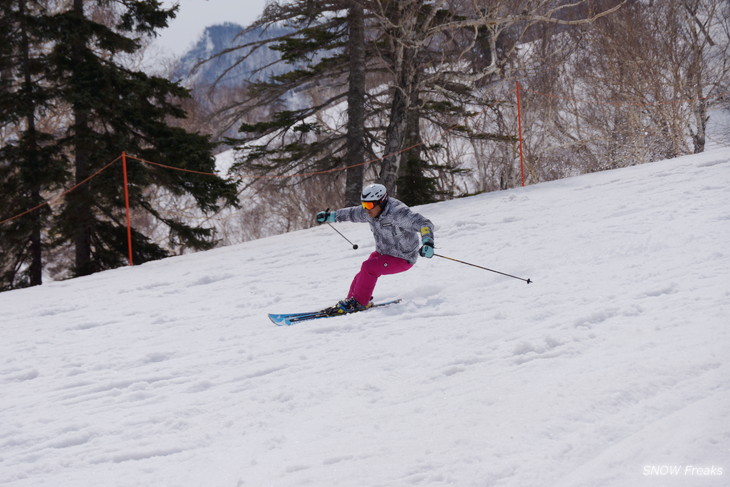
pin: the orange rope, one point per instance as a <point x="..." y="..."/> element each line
<point x="171" y="167"/>
<point x="50" y="201"/>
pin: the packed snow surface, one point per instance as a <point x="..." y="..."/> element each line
<point x="610" y="369"/>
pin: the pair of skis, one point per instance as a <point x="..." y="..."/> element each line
<point x="288" y="319"/>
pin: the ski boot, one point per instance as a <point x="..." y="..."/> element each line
<point x="349" y="305"/>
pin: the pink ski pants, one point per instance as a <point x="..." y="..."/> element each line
<point x="375" y="266"/>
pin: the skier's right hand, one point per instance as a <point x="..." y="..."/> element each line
<point x="325" y="216"/>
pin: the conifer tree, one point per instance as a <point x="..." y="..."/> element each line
<point x="115" y="109"/>
<point x="326" y="48"/>
<point x="68" y="60"/>
<point x="31" y="162"/>
<point x="357" y="59"/>
<point x="408" y="39"/>
<point x="436" y="58"/>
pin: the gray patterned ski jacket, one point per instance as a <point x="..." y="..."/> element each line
<point x="397" y="230"/>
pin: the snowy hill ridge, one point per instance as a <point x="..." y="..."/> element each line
<point x="611" y="369"/>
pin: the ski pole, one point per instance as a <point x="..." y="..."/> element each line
<point x="354" y="246"/>
<point x="528" y="281"/>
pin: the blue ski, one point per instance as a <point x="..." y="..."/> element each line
<point x="288" y="319"/>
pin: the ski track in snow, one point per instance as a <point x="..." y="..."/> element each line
<point x="614" y="358"/>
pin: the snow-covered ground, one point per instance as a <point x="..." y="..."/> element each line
<point x="611" y="369"/>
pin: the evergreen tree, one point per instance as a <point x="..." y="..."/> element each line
<point x="115" y="109"/>
<point x="326" y="48"/>
<point x="62" y="61"/>
<point x="356" y="146"/>
<point x="415" y="185"/>
<point x="416" y="47"/>
<point x="31" y="162"/>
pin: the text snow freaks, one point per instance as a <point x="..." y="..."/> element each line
<point x="682" y="471"/>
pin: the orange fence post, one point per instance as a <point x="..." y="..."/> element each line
<point x="519" y="129"/>
<point x="126" y="204"/>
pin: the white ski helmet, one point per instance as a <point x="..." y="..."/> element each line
<point x="375" y="193"/>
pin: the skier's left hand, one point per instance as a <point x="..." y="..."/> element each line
<point x="427" y="248"/>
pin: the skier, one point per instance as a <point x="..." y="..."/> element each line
<point x="396" y="229"/>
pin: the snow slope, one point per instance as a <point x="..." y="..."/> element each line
<point x="611" y="369"/>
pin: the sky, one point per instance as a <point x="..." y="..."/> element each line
<point x="195" y="15"/>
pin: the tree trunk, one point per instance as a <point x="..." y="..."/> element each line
<point x="32" y="166"/>
<point x="79" y="199"/>
<point x="394" y="139"/>
<point x="355" y="105"/>
<point x="414" y="188"/>
<point x="404" y="62"/>
<point x="699" y="137"/>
